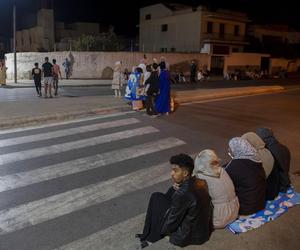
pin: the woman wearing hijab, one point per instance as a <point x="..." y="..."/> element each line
<point x="117" y="81"/>
<point x="281" y="154"/>
<point x="263" y="153"/>
<point x="163" y="99"/>
<point x="220" y="187"/>
<point x="135" y="83"/>
<point x="248" y="176"/>
<point x="267" y="159"/>
<point x="3" y="69"/>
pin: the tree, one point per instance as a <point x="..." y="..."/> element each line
<point x="108" y="41"/>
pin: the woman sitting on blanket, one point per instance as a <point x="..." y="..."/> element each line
<point x="281" y="154"/>
<point x="220" y="187"/>
<point x="272" y="173"/>
<point x="248" y="176"/>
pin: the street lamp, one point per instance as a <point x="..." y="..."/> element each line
<point x="14" y="41"/>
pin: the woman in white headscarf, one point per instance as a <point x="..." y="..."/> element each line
<point x="220" y="186"/>
<point x="3" y="69"/>
<point x="248" y="176"/>
<point x="117" y="81"/>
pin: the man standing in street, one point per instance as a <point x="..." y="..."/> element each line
<point x="37" y="77"/>
<point x="193" y="71"/>
<point x="48" y="76"/>
<point x="67" y="66"/>
<point x="56" y="73"/>
<point x="152" y="89"/>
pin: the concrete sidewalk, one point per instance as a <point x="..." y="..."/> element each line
<point x="39" y="110"/>
<point x="62" y="83"/>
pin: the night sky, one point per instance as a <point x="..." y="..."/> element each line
<point x="125" y="15"/>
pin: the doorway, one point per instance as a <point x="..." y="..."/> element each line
<point x="217" y="65"/>
<point x="265" y="64"/>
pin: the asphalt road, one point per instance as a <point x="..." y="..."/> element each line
<point x="85" y="184"/>
<point x="20" y="93"/>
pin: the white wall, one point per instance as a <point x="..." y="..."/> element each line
<point x="282" y="63"/>
<point x="156" y="11"/>
<point x="183" y="33"/>
<point x="91" y="65"/>
<point x="250" y="59"/>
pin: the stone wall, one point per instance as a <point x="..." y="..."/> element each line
<point x="290" y="65"/>
<point x="95" y="65"/>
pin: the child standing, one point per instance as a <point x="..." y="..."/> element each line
<point x="37" y="76"/>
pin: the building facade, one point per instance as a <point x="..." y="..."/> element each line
<point x="47" y="35"/>
<point x="40" y="37"/>
<point x="274" y="34"/>
<point x="180" y="28"/>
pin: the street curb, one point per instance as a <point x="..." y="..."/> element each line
<point x="182" y="97"/>
<point x="20" y="122"/>
<point x="60" y="86"/>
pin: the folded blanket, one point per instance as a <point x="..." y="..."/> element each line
<point x="273" y="210"/>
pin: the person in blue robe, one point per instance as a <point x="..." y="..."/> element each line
<point x="134" y="89"/>
<point x="163" y="99"/>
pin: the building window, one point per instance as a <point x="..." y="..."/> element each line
<point x="148" y="17"/>
<point x="209" y="27"/>
<point x="173" y="49"/>
<point x="164" y="27"/>
<point x="30" y="41"/>
<point x="163" y="50"/>
<point x="222" y="29"/>
<point x="236" y="30"/>
<point x="221" y="49"/>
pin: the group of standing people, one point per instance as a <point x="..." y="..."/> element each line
<point x="207" y="196"/>
<point x="148" y="86"/>
<point x="51" y="73"/>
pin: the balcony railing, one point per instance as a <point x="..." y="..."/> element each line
<point x="211" y="37"/>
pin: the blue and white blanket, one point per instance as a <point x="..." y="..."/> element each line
<point x="273" y="210"/>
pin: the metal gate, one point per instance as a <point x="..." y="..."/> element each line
<point x="217" y="65"/>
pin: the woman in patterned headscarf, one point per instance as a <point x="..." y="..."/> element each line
<point x="248" y="176"/>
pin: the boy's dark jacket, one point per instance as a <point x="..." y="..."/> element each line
<point x="189" y="220"/>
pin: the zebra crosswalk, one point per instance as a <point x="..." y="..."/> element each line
<point x="122" y="159"/>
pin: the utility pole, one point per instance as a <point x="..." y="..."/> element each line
<point x="14" y="41"/>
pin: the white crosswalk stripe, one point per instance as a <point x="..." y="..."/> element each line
<point x="65" y="132"/>
<point x="83" y="164"/>
<point x="58" y="148"/>
<point x="73" y="122"/>
<point x="54" y="206"/>
<point x="122" y="231"/>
